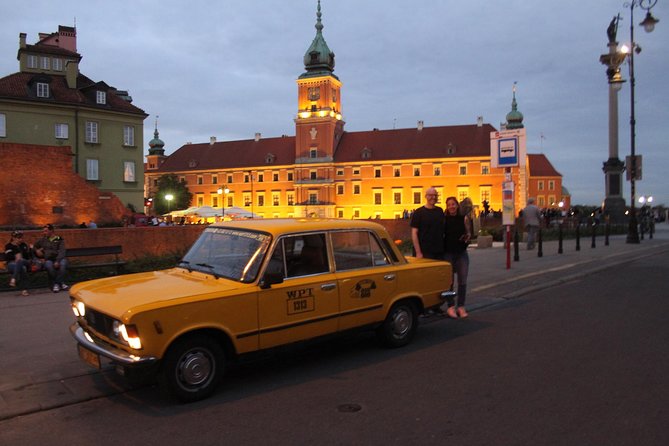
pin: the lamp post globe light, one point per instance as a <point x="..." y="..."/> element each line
<point x="634" y="164"/>
<point x="169" y="198"/>
<point x="223" y="192"/>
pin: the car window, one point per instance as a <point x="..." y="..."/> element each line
<point x="357" y="249"/>
<point x="305" y="254"/>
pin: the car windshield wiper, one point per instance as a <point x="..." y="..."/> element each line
<point x="187" y="263"/>
<point x="206" y="265"/>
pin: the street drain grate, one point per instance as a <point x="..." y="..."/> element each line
<point x="349" y="408"/>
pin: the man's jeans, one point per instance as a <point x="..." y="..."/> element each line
<point x="56" y="275"/>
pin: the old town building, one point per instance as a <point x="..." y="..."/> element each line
<point x="325" y="171"/>
<point x="50" y="103"/>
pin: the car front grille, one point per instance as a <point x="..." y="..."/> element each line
<point x="100" y="322"/>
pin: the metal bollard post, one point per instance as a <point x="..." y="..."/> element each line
<point x="594" y="234"/>
<point x="540" y="248"/>
<point x="578" y="237"/>
<point x="607" y="232"/>
<point x="560" y="238"/>
<point x="516" y="256"/>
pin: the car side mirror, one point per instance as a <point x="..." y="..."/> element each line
<point x="270" y="279"/>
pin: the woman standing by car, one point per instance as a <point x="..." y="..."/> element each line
<point x="457" y="234"/>
<point x="17" y="256"/>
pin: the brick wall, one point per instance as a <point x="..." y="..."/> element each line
<point x="39" y="186"/>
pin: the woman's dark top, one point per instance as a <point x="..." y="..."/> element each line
<point x="454" y="230"/>
<point x="11" y="250"/>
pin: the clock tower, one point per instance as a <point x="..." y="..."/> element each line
<point x="318" y="128"/>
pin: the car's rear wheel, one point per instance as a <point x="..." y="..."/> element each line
<point x="192" y="368"/>
<point x="400" y="325"/>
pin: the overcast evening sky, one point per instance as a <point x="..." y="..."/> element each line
<point x="228" y="68"/>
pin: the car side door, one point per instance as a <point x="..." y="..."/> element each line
<point x="306" y="304"/>
<point x="366" y="277"/>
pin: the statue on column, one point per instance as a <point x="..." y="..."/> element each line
<point x="612" y="30"/>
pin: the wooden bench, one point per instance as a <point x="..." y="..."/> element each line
<point x="70" y="253"/>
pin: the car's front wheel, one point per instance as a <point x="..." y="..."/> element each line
<point x="192" y="368"/>
<point x="400" y="325"/>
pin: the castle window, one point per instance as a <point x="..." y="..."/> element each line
<point x="32" y="61"/>
<point x="62" y="131"/>
<point x="92" y="170"/>
<point x="42" y="90"/>
<point x="101" y="97"/>
<point x="396" y="171"/>
<point x="290" y="176"/>
<point x="377" y="172"/>
<point x="129" y="171"/>
<point x="57" y="64"/>
<point x="45" y="63"/>
<point x="416" y="171"/>
<point x="3" y="125"/>
<point x="128" y="135"/>
<point x="366" y="153"/>
<point x="91" y="132"/>
<point x="270" y="158"/>
<point x="313" y="152"/>
<point x="462" y="169"/>
<point x="485" y="169"/>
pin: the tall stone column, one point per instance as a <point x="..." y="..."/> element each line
<point x="614" y="203"/>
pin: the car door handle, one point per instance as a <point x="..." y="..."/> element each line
<point x="389" y="277"/>
<point x="328" y="286"/>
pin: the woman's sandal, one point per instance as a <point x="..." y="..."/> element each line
<point x="462" y="313"/>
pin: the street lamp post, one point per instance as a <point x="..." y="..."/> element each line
<point x="169" y="198"/>
<point x="223" y="192"/>
<point x="648" y="24"/>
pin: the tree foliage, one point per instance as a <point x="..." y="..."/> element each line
<point x="169" y="184"/>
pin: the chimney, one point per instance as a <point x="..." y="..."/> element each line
<point x="71" y="73"/>
<point x="479" y="121"/>
<point x="22" y="40"/>
<point x="257" y="138"/>
<point x="212" y="140"/>
<point x="420" y="125"/>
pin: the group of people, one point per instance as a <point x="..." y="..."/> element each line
<point x="47" y="253"/>
<point x="444" y="235"/>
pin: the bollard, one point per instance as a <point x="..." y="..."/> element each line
<point x="516" y="256"/>
<point x="540" y="248"/>
<point x="594" y="234"/>
<point x="578" y="237"/>
<point x="651" y="229"/>
<point x="560" y="238"/>
<point x="607" y="232"/>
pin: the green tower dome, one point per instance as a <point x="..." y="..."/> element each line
<point x="156" y="144"/>
<point x="514" y="119"/>
<point x="318" y="60"/>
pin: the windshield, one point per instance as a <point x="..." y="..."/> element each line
<point x="231" y="253"/>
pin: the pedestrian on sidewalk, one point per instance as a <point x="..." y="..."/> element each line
<point x="457" y="235"/>
<point x="532" y="219"/>
<point x="17" y="256"/>
<point x="427" y="228"/>
<point x="51" y="248"/>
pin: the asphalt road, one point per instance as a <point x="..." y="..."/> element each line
<point x="579" y="363"/>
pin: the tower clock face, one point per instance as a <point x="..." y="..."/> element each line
<point x="314" y="93"/>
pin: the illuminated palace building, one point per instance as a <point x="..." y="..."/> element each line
<point x="325" y="171"/>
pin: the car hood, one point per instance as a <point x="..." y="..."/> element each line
<point x="129" y="293"/>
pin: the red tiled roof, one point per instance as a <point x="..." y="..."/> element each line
<point x="430" y="142"/>
<point x="231" y="154"/>
<point x="16" y="86"/>
<point x="48" y="49"/>
<point x="540" y="166"/>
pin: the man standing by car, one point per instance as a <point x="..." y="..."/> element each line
<point x="427" y="228"/>
<point x="51" y="248"/>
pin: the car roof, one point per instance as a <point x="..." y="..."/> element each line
<point x="278" y="226"/>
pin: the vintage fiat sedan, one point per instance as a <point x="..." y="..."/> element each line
<point x="250" y="285"/>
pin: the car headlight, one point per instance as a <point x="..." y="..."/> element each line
<point x="78" y="308"/>
<point x="128" y="334"/>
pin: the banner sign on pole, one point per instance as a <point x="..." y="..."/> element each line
<point x="508" y="213"/>
<point x="507" y="148"/>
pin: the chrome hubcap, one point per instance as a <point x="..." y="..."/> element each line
<point x="194" y="368"/>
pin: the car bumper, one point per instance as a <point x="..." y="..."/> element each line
<point x="96" y="345"/>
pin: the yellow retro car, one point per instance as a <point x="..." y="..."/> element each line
<point x="250" y="285"/>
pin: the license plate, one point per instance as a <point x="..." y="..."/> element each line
<point x="89" y="357"/>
